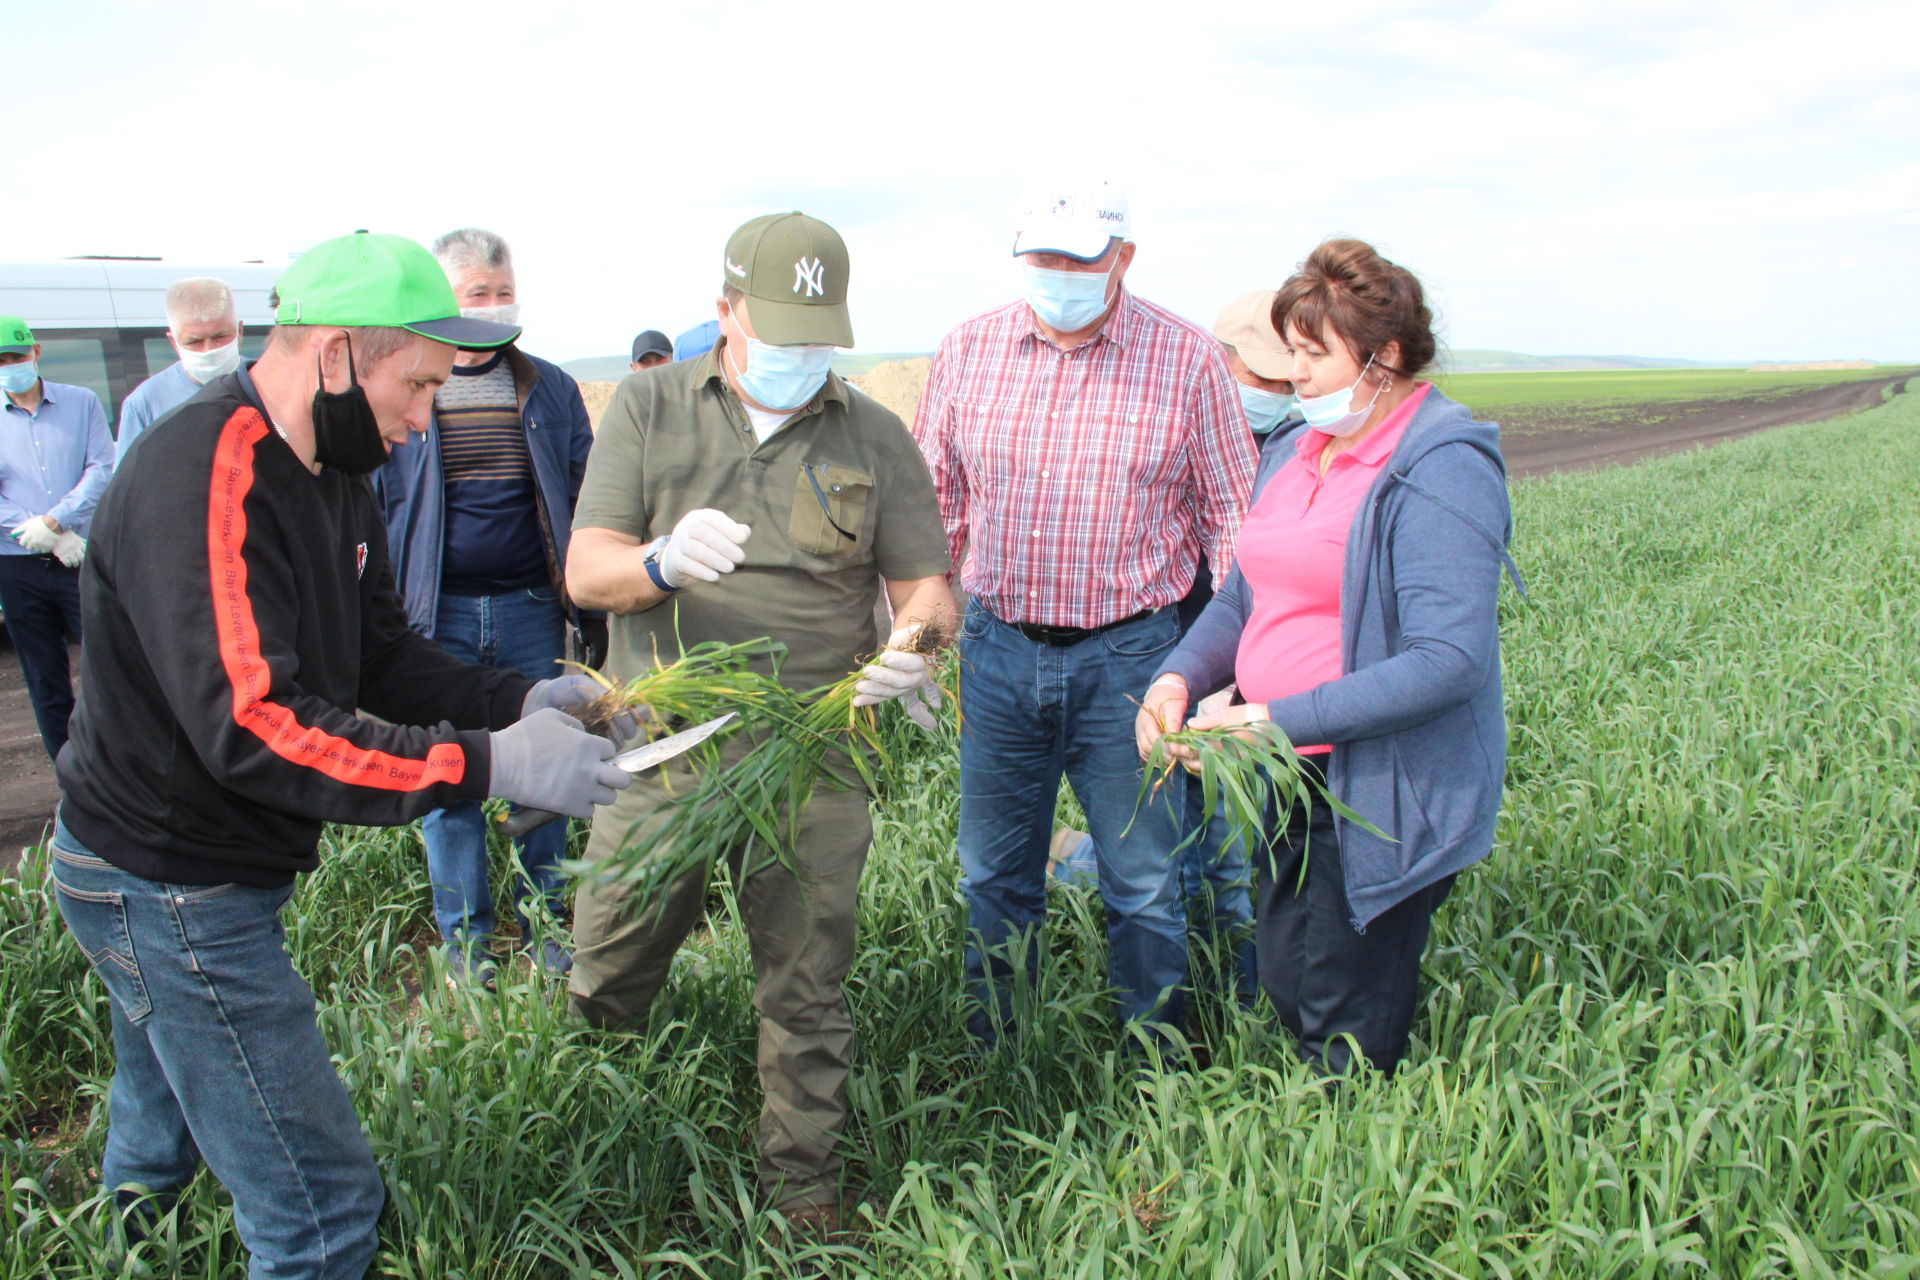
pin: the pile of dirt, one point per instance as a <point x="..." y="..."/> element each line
<point x="1809" y="366"/>
<point x="897" y="385"/>
<point x="598" y="396"/>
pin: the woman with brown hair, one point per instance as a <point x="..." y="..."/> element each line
<point x="1360" y="620"/>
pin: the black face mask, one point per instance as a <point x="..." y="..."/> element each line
<point x="345" y="435"/>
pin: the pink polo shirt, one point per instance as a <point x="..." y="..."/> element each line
<point x="1293" y="550"/>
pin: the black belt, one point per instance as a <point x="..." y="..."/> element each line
<point x="1061" y="637"/>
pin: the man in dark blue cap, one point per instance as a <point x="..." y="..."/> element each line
<point x="650" y="348"/>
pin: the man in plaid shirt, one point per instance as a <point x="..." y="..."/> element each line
<point x="1087" y="447"/>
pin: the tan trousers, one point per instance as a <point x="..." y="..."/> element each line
<point x="801" y="933"/>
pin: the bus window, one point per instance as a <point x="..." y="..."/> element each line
<point x="82" y="362"/>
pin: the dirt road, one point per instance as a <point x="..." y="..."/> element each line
<point x="28" y="793"/>
<point x="27" y="790"/>
<point x="1536" y="447"/>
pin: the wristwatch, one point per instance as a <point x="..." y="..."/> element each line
<point x="656" y="549"/>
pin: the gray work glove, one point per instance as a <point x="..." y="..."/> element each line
<point x="547" y="761"/>
<point x="569" y="694"/>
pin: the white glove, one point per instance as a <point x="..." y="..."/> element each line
<point x="894" y="673"/>
<point x="36" y="535"/>
<point x="1217" y="701"/>
<point x="71" y="548"/>
<point x="704" y="545"/>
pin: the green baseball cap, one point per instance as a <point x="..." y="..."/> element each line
<point x="795" y="270"/>
<point x="384" y="281"/>
<point x="14" y="334"/>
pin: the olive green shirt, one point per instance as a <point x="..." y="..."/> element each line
<point x="838" y="498"/>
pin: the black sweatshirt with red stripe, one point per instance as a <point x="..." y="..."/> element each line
<point x="237" y="608"/>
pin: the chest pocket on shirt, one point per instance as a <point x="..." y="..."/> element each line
<point x="829" y="506"/>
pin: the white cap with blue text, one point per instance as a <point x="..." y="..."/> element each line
<point x="1073" y="219"/>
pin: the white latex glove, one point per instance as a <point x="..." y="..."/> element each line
<point x="897" y="674"/>
<point x="1219" y="700"/>
<point x="704" y="545"/>
<point x="1162" y="708"/>
<point x="36" y="535"/>
<point x="71" y="548"/>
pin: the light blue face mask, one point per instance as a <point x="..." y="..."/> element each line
<point x="1334" y="413"/>
<point x="1067" y="301"/>
<point x="784" y="377"/>
<point x="19" y="378"/>
<point x="1264" y="409"/>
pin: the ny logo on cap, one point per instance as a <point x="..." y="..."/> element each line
<point x="809" y="274"/>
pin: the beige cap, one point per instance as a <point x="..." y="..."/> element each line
<point x="1246" y="325"/>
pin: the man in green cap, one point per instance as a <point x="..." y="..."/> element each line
<point x="239" y="607"/>
<point x="55" y="457"/>
<point x="748" y="493"/>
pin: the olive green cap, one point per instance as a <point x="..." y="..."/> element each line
<point x="794" y="268"/>
<point x="14" y="334"/>
<point x="381" y="281"/>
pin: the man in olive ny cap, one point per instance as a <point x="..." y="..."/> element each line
<point x="750" y="492"/>
<point x="239" y="605"/>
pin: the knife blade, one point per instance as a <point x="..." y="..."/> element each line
<point x="636" y="760"/>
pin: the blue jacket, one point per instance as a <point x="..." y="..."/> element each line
<point x="1416" y="719"/>
<point x="413" y="493"/>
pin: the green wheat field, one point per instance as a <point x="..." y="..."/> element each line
<point x="1592" y="397"/>
<point x="1670" y="1028"/>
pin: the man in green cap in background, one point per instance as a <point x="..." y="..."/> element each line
<point x="239" y="608"/>
<point x="55" y="457"/>
<point x="746" y="493"/>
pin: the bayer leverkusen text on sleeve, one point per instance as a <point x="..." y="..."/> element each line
<point x="240" y="609"/>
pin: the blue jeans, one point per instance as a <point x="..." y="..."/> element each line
<point x="217" y="1057"/>
<point x="522" y="631"/>
<point x="1031" y="712"/>
<point x="41" y="598"/>
<point x="1216" y="882"/>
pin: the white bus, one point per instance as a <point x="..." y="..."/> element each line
<point x="102" y="322"/>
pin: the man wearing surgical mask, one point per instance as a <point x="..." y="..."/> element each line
<point x="1088" y="449"/>
<point x="1213" y="870"/>
<point x="204" y="329"/>
<point x="478" y="516"/>
<point x="750" y="492"/>
<point x="55" y="460"/>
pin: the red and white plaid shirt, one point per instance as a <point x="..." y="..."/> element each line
<point x="1085" y="484"/>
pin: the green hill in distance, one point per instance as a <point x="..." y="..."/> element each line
<point x="1480" y="360"/>
<point x="1455" y="360"/>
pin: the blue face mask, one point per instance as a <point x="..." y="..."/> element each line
<point x="783" y="377"/>
<point x="1264" y="409"/>
<point x="1067" y="301"/>
<point x="19" y="378"/>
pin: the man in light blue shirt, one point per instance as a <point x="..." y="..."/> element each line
<point x="55" y="459"/>
<point x="204" y="328"/>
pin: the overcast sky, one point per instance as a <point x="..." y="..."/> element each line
<point x="1715" y="181"/>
